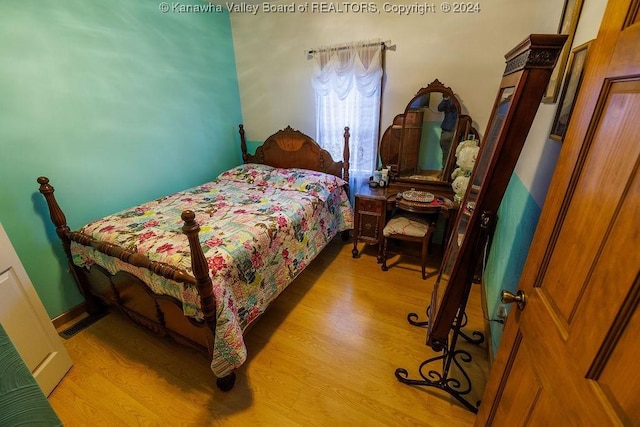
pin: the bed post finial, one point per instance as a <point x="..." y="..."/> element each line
<point x="243" y="143"/>
<point x="200" y="269"/>
<point x="346" y="154"/>
<point x="56" y="214"/>
<point x="92" y="305"/>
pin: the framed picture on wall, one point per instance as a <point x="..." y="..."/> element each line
<point x="568" y="24"/>
<point x="569" y="91"/>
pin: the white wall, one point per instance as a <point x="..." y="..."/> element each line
<point x="464" y="51"/>
<point x="539" y="154"/>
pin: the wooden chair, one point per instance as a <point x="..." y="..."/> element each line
<point x="411" y="227"/>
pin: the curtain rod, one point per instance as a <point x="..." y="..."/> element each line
<point x="384" y="44"/>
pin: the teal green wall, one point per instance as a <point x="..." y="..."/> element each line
<point x="430" y="155"/>
<point x="252" y="145"/>
<point x="517" y="219"/>
<point x="117" y="103"/>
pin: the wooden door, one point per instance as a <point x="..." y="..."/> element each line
<point x="569" y="357"/>
<point x="26" y="322"/>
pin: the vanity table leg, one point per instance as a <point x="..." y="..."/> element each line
<point x="354" y="251"/>
<point x="356" y="233"/>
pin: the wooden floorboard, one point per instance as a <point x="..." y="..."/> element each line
<point x="324" y="353"/>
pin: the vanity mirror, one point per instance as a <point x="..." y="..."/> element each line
<point x="420" y="144"/>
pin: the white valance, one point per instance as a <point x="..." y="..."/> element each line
<point x="336" y="66"/>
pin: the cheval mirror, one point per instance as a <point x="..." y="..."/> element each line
<point x="524" y="81"/>
<point x="523" y="84"/>
<point x="412" y="145"/>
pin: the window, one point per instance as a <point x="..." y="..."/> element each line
<point x="347" y="83"/>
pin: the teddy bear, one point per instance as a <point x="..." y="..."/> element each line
<point x="466" y="154"/>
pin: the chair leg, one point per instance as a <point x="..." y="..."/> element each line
<point x="384" y="253"/>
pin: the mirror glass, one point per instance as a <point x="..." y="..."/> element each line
<point x="420" y="143"/>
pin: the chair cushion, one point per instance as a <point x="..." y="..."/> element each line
<point x="407" y="224"/>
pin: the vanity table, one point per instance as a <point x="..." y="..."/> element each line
<point x="411" y="148"/>
<point x="374" y="206"/>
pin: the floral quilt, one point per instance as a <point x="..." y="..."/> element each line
<point x="259" y="228"/>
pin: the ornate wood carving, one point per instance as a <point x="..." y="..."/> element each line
<point x="290" y="148"/>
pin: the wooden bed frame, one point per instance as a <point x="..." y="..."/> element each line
<point x="161" y="314"/>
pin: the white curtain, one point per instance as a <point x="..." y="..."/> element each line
<point x="347" y="82"/>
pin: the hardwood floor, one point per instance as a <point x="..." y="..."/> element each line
<point x="324" y="353"/>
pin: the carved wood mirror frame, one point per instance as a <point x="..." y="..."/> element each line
<point x="406" y="142"/>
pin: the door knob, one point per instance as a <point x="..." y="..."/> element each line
<point x="507" y="298"/>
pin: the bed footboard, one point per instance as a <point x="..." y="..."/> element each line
<point x="161" y="314"/>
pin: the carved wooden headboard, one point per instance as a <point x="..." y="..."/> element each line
<point x="290" y="148"/>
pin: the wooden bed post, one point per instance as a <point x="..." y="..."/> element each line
<point x="200" y="269"/>
<point x="205" y="286"/>
<point x="57" y="216"/>
<point x="345" y="172"/>
<point x="92" y="305"/>
<point x="346" y="154"/>
<point x="243" y="143"/>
